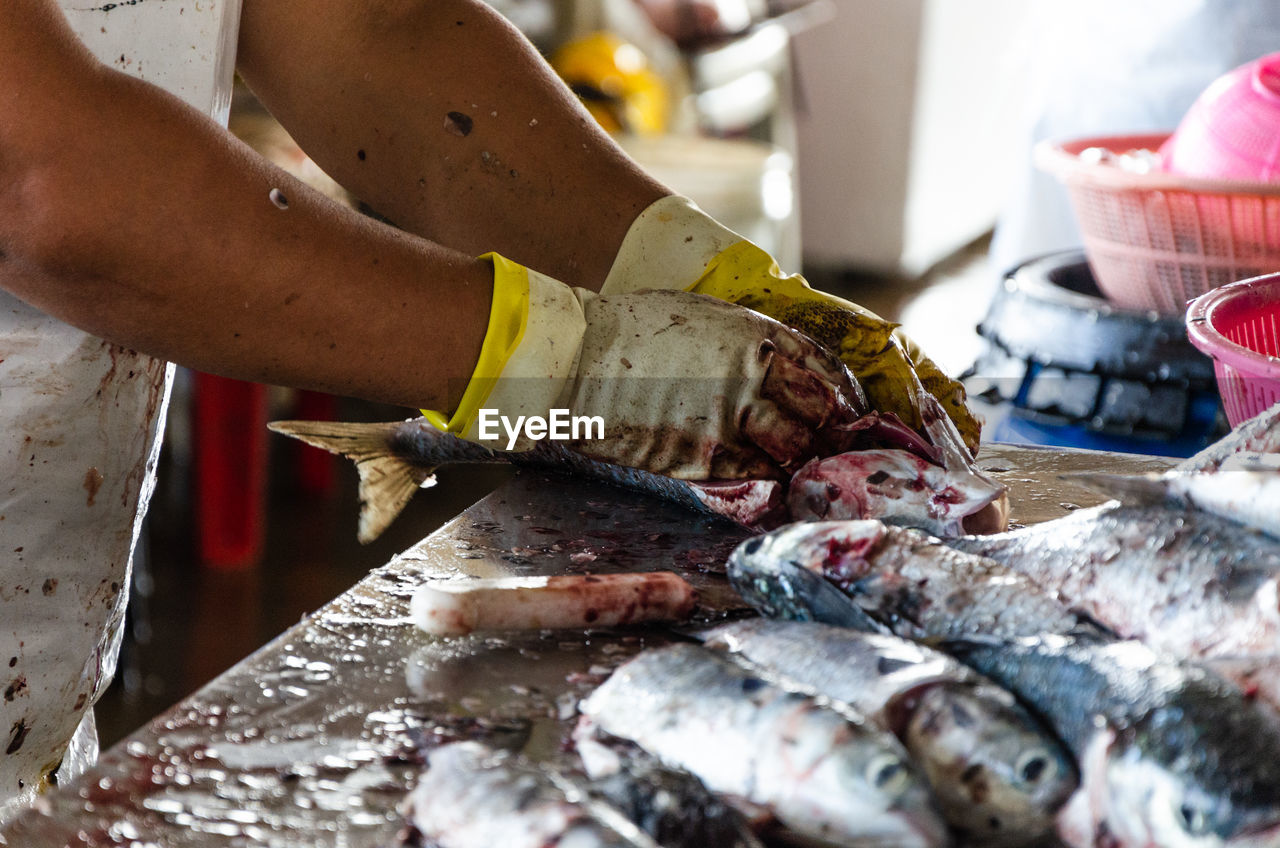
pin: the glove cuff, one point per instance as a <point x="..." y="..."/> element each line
<point x="668" y="246"/>
<point x="529" y="355"/>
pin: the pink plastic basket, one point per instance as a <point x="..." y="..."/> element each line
<point x="1239" y="326"/>
<point x="1157" y="240"/>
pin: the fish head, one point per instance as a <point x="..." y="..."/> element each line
<point x="999" y="775"/>
<point x="794" y="573"/>
<point x="890" y="485"/>
<point x="865" y="791"/>
<point x="1195" y="798"/>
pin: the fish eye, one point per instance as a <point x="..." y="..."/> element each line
<point x="752" y="546"/>
<point x="1033" y="766"/>
<point x="888" y="774"/>
<point x="1192" y="819"/>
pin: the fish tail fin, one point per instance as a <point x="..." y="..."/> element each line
<point x="1129" y="489"/>
<point x="386" y="481"/>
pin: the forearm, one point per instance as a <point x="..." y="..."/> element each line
<point x="128" y="214"/>
<point x="368" y="90"/>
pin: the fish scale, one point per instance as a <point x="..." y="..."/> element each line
<point x="824" y="773"/>
<point x="1170" y="754"/>
<point x="900" y="579"/>
<point x="997" y="772"/>
<point x="1184" y="581"/>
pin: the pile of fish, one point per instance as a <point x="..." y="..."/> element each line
<point x="1144" y="632"/>
<point x="896" y="474"/>
<point x="1108" y="679"/>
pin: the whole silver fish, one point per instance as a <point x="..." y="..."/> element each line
<point x="1244" y="487"/>
<point x="1184" y="581"/>
<point x="872" y="576"/>
<point x="1170" y="755"/>
<point x="997" y="772"/>
<point x="472" y="796"/>
<point x="396" y="459"/>
<point x="822" y="773"/>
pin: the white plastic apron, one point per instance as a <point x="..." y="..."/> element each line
<point x="80" y="425"/>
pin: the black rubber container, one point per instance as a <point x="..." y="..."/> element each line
<point x="1065" y="367"/>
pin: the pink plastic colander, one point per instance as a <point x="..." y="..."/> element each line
<point x="1232" y="131"/>
<point x="1156" y="240"/>
<point x="1239" y="327"/>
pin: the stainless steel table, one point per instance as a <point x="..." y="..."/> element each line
<point x="315" y="739"/>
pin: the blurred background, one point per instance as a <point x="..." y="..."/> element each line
<point x="884" y="148"/>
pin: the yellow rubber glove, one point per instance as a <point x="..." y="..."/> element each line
<point x="684" y="384"/>
<point x="675" y="245"/>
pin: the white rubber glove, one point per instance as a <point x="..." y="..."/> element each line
<point x="675" y="245"/>
<point x="686" y="385"/>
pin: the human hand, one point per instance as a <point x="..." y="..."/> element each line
<point x="696" y="388"/>
<point x="674" y="245"/>
<point x="683" y="385"/>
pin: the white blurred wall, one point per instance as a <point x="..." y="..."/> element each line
<point x="907" y="128"/>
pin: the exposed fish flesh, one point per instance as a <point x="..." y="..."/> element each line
<point x="821" y="772"/>
<point x="472" y="796"/>
<point x="1244" y="487"/>
<point x="1169" y="754"/>
<point x="1184" y="581"/>
<point x="904" y="581"/>
<point x="899" y="486"/>
<point x="997" y="772"/>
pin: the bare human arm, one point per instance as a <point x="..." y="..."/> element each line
<point x="443" y="118"/>
<point x="130" y="215"/>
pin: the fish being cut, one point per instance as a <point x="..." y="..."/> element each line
<point x="901" y="481"/>
<point x="825" y="774"/>
<point x="997" y="772"/>
<point x="473" y="796"/>
<point x="872" y="576"/>
<point x="396" y="459"/>
<point x="1169" y="754"/>
<point x="899" y="486"/>
<point x="1184" y="581"/>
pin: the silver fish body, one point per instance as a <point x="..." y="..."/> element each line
<point x="673" y="807"/>
<point x="1244" y="488"/>
<point x="1170" y="755"/>
<point x="1259" y="435"/>
<point x="823" y="774"/>
<point x="894" y="579"/>
<point x="1184" y="581"/>
<point x="398" y="458"/>
<point x="472" y="796"/>
<point x="998" y="773"/>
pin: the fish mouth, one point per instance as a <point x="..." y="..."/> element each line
<point x="1256" y="834"/>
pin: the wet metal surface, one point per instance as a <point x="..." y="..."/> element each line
<point x="316" y="738"/>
